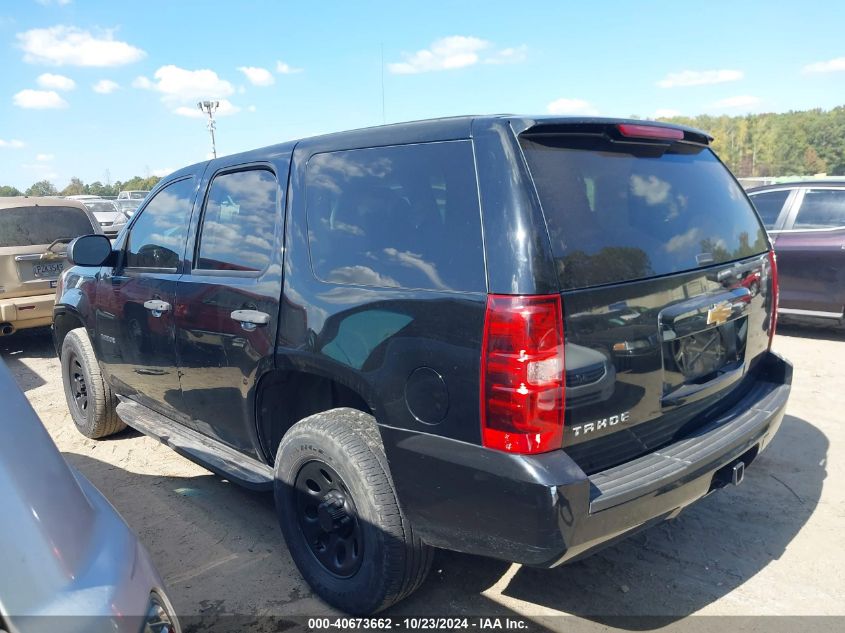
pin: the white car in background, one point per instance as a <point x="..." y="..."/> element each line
<point x="110" y="217"/>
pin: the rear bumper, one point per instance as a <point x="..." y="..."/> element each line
<point x="544" y="510"/>
<point x="27" y="312"/>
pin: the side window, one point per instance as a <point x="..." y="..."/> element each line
<point x="821" y="209"/>
<point x="403" y="216"/>
<point x="769" y="205"/>
<point x="238" y="223"/>
<point x="157" y="237"/>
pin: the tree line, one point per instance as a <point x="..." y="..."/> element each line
<point x="76" y="187"/>
<point x="795" y="143"/>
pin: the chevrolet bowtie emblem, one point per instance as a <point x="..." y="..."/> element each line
<point x="719" y="313"/>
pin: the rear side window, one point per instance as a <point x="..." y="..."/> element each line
<point x="157" y="238"/>
<point x="769" y="205"/>
<point x="30" y="226"/>
<point x="821" y="209"/>
<point x="403" y="216"/>
<point x="622" y="211"/>
<point x="238" y="223"/>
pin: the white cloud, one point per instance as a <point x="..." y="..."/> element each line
<point x="39" y="99"/>
<point x="71" y="46"/>
<point x="56" y="82"/>
<point x="699" y="78"/>
<point x="142" y="82"/>
<point x="257" y="76"/>
<point x="105" y="86"/>
<point x="665" y="113"/>
<point x="12" y="143"/>
<point x="178" y="84"/>
<point x="161" y="173"/>
<point x="456" y="51"/>
<point x="226" y="108"/>
<point x="571" y="106"/>
<point x="44" y="158"/>
<point x="251" y="108"/>
<point x="47" y="3"/>
<point x="830" y="66"/>
<point x="739" y="101"/>
<point x="285" y="69"/>
<point x="509" y="55"/>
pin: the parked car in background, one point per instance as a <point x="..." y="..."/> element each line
<point x="806" y="222"/>
<point x="132" y="195"/>
<point x="69" y="562"/>
<point x="127" y="206"/>
<point x="128" y="201"/>
<point x="34" y="234"/>
<point x="111" y="218"/>
<point x="319" y="318"/>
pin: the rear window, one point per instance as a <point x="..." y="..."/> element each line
<point x="621" y="211"/>
<point x="403" y="216"/>
<point x="29" y="226"/>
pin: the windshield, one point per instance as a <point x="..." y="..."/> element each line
<point x="28" y="226"/>
<point x="138" y="195"/>
<point x="100" y="207"/>
<point x="617" y="212"/>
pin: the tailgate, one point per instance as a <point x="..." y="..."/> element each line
<point x="665" y="276"/>
<point x="30" y="270"/>
<point x="678" y="350"/>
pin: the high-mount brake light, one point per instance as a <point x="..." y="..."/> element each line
<point x="636" y="130"/>
<point x="773" y="317"/>
<point x="522" y="374"/>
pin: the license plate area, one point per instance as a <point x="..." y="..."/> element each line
<point x="40" y="270"/>
<point x="699" y="357"/>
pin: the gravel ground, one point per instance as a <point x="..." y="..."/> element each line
<point x="772" y="546"/>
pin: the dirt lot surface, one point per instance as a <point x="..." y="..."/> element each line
<point x="773" y="545"/>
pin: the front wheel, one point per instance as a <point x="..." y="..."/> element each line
<point x="90" y="399"/>
<point x="340" y="517"/>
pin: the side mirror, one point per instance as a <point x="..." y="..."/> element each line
<point x="89" y="250"/>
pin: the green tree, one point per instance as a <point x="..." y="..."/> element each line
<point x="9" y="190"/>
<point x="74" y="188"/>
<point x="782" y="144"/>
<point x="42" y="188"/>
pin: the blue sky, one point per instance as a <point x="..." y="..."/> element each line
<point x="94" y="85"/>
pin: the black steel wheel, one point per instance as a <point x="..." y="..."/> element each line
<point x="78" y="388"/>
<point x="328" y="519"/>
<point x="90" y="399"/>
<point x="340" y="515"/>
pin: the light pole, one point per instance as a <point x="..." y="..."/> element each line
<point x="209" y="107"/>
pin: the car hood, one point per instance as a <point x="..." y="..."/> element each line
<point x="109" y="216"/>
<point x="63" y="549"/>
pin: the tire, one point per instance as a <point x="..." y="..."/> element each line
<point x="89" y="398"/>
<point x="342" y="448"/>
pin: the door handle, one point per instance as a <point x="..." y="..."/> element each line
<point x="250" y="319"/>
<point x="157" y="307"/>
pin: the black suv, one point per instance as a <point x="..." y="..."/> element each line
<point x="516" y="337"/>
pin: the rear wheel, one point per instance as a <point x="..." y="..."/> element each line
<point x="89" y="398"/>
<point x="340" y="517"/>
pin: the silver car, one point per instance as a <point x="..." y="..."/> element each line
<point x="110" y="217"/>
<point x="68" y="562"/>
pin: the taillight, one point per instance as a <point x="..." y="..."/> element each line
<point x="637" y="130"/>
<point x="522" y="374"/>
<point x="773" y="317"/>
